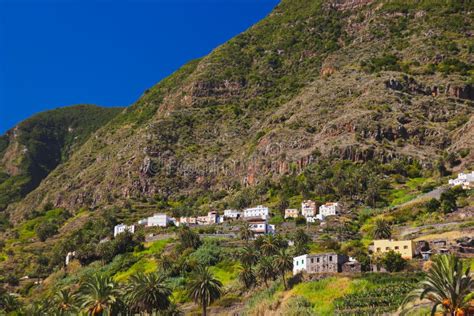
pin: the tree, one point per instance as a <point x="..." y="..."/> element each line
<point x="301" y="240"/>
<point x="246" y="232"/>
<point x="64" y="303"/>
<point x="265" y="269"/>
<point x="188" y="238"/>
<point x="203" y="288"/>
<point x="382" y="229"/>
<point x="270" y="245"/>
<point x="248" y="256"/>
<point x="147" y="293"/>
<point x="432" y="205"/>
<point x="393" y="262"/>
<point x="247" y="277"/>
<point x="448" y="201"/>
<point x="99" y="294"/>
<point x="165" y="262"/>
<point x="45" y="230"/>
<point x="447" y="284"/>
<point x="8" y="302"/>
<point x="283" y="263"/>
<point x="441" y="168"/>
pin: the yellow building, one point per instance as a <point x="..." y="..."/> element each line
<point x="404" y="247"/>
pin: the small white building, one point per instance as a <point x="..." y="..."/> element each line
<point x="311" y="219"/>
<point x="466" y="180"/>
<point x="291" y="213"/>
<point x="70" y="256"/>
<point x="260" y="226"/>
<point x="212" y="218"/>
<point x="161" y="220"/>
<point x="234" y="214"/>
<point x="308" y="208"/>
<point x="187" y="220"/>
<point x="328" y="209"/>
<point x="259" y="211"/>
<point x="118" y="229"/>
<point x="299" y="263"/>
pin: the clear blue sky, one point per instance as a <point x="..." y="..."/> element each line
<point x="55" y="53"/>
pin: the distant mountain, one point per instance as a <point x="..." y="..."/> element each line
<point x="377" y="81"/>
<point x="33" y="148"/>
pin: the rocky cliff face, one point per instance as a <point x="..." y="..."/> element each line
<point x="358" y="80"/>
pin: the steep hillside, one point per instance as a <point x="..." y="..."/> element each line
<point x="357" y="80"/>
<point x="32" y="149"/>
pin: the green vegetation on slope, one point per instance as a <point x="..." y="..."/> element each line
<point x="44" y="141"/>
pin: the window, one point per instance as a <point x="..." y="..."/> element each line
<point x="317" y="260"/>
<point x="396" y="247"/>
<point x="330" y="258"/>
<point x="378" y="249"/>
<point x="312" y="260"/>
<point x="387" y="248"/>
<point x="405" y="247"/>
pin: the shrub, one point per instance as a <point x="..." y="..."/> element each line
<point x="208" y="254"/>
<point x="45" y="230"/>
<point x="393" y="261"/>
<point x="432" y="205"/>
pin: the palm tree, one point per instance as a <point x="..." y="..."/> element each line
<point x="246" y="232"/>
<point x="147" y="292"/>
<point x="8" y="302"/>
<point x="448" y="284"/>
<point x="247" y="277"/>
<point x="270" y="245"/>
<point x="64" y="302"/>
<point x="203" y="288"/>
<point x="248" y="256"/>
<point x="99" y="294"/>
<point x="382" y="229"/>
<point x="265" y="269"/>
<point x="284" y="263"/>
<point x="165" y="262"/>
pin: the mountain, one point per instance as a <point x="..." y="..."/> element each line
<point x="365" y="102"/>
<point x="33" y="148"/>
<point x="357" y="80"/>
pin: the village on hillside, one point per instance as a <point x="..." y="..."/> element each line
<point x="257" y="218"/>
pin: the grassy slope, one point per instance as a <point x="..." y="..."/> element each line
<point x="37" y="145"/>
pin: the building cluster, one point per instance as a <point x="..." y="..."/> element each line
<point x="408" y="249"/>
<point x="312" y="213"/>
<point x="466" y="180"/>
<point x="257" y="217"/>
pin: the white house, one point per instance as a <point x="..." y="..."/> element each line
<point x="259" y="211"/>
<point x="299" y="264"/>
<point x="118" y="229"/>
<point x="235" y="214"/>
<point x="260" y="226"/>
<point x="328" y="209"/>
<point x="161" y="220"/>
<point x="212" y="218"/>
<point x="187" y="220"/>
<point x="308" y="208"/>
<point x="466" y="180"/>
<point x="311" y="219"/>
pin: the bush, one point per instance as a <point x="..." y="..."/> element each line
<point x="432" y="205"/>
<point x="45" y="230"/>
<point x="393" y="261"/>
<point x="208" y="254"/>
<point x="387" y="62"/>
